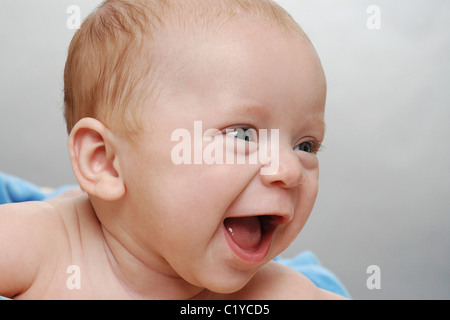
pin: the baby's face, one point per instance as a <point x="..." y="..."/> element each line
<point x="215" y="224"/>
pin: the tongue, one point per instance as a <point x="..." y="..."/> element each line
<point x="245" y="232"/>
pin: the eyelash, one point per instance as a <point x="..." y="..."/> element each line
<point x="315" y="146"/>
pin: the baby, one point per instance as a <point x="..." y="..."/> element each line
<point x="146" y="225"/>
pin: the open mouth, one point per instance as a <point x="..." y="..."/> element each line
<point x="250" y="237"/>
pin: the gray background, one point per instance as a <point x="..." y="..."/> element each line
<point x="384" y="185"/>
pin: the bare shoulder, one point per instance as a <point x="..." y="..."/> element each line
<point x="27" y="220"/>
<point x="27" y="234"/>
<point x="278" y="282"/>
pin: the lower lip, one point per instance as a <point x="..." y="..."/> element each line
<point x="252" y="256"/>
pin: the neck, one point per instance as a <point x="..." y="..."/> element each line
<point x="149" y="279"/>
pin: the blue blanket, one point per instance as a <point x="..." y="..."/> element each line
<point x="308" y="264"/>
<point x="13" y="189"/>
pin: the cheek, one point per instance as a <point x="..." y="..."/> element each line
<point x="191" y="200"/>
<point x="308" y="190"/>
<point x="305" y="196"/>
<point x="310" y="163"/>
<point x="190" y="222"/>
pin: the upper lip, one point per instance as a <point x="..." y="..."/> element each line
<point x="272" y="221"/>
<point x="276" y="218"/>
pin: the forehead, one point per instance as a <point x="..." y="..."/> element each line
<point x="247" y="63"/>
<point x="244" y="42"/>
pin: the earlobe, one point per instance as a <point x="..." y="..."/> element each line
<point x="94" y="160"/>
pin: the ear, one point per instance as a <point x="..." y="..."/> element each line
<point x="94" y="160"/>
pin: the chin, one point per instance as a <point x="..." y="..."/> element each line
<point x="227" y="281"/>
<point x="227" y="287"/>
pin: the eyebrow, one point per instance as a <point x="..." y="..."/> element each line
<point x="251" y="109"/>
<point x="322" y="124"/>
<point x="263" y="114"/>
<point x="317" y="123"/>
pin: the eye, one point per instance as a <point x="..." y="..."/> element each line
<point x="246" y="134"/>
<point x="307" y="146"/>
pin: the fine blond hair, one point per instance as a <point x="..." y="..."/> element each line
<point x="109" y="71"/>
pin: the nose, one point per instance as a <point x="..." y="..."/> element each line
<point x="287" y="171"/>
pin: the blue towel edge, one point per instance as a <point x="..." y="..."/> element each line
<point x="309" y="265"/>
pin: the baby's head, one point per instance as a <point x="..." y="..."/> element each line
<point x="148" y="83"/>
